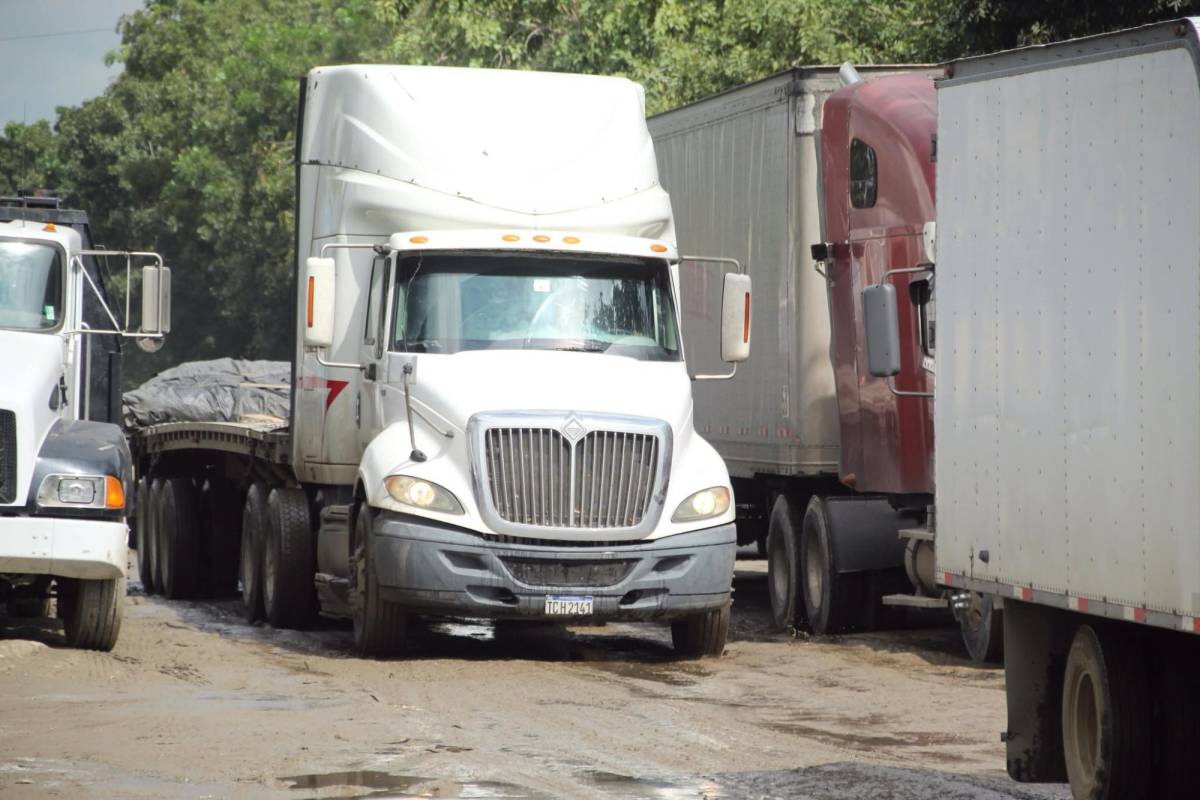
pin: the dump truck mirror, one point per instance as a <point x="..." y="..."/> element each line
<point x="735" y="318"/>
<point x="156" y="300"/>
<point x="318" y="319"/>
<point x="882" y="326"/>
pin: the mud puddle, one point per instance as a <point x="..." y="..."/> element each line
<point x="385" y="784"/>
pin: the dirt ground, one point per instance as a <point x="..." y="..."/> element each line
<point x="195" y="703"/>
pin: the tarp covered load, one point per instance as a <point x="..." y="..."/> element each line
<point x="221" y="390"/>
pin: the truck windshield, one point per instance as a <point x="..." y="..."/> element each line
<point x="31" y="286"/>
<point x="446" y="303"/>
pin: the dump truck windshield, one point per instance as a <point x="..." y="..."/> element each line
<point x="31" y="286"/>
<point x="446" y="303"/>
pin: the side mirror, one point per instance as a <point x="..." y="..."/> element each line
<point x="318" y="319"/>
<point x="882" y="327"/>
<point x="735" y="318"/>
<point x="156" y="300"/>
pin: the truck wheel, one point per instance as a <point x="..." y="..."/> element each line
<point x="832" y="601"/>
<point x="144" y="535"/>
<point x="91" y="611"/>
<point x="379" y="626"/>
<point x="1106" y="717"/>
<point x="254" y="526"/>
<point x="222" y="535"/>
<point x="701" y="634"/>
<point x="783" y="565"/>
<point x="982" y="627"/>
<point x="180" y="538"/>
<point x="154" y="543"/>
<point x="287" y="587"/>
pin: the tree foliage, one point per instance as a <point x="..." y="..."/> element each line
<point x="189" y="150"/>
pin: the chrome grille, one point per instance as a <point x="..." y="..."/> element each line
<point x="538" y="477"/>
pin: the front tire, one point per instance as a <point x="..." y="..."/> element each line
<point x="701" y="634"/>
<point x="91" y="611"/>
<point x="379" y="626"/>
<point x="783" y="565"/>
<point x="1106" y="717"/>
<point x="288" y="568"/>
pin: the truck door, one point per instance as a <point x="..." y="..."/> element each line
<point x="369" y="413"/>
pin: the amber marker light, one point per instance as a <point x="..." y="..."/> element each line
<point x="658" y="248"/>
<point x="571" y="239"/>
<point x="114" y="492"/>
<point x="312" y="285"/>
<point x="50" y="227"/>
<point x="541" y="238"/>
<point x="418" y="239"/>
<point x="511" y="237"/>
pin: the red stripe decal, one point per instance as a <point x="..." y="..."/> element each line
<point x="1026" y="593"/>
<point x="1139" y="615"/>
<point x="335" y="388"/>
<point x="1196" y="625"/>
<point x="947" y="579"/>
<point x="1082" y="603"/>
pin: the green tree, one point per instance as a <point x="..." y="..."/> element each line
<point x="29" y="158"/>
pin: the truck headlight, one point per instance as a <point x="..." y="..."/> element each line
<point x="711" y="502"/>
<point x="81" y="491"/>
<point x="421" y="494"/>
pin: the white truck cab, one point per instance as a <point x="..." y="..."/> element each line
<point x="65" y="468"/>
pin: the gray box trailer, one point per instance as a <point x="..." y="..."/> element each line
<point x="1066" y="407"/>
<point x="742" y="169"/>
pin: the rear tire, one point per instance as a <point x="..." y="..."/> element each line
<point x="91" y="611"/>
<point x="154" y="534"/>
<point x="832" y="602"/>
<point x="145" y="534"/>
<point x="379" y="626"/>
<point x="783" y="565"/>
<point x="254" y="526"/>
<point x="288" y="553"/>
<point x="222" y="527"/>
<point x="1106" y="717"/>
<point x="179" y="534"/>
<point x="982" y="627"/>
<point x="702" y="634"/>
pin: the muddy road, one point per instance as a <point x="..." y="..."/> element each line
<point x="195" y="703"/>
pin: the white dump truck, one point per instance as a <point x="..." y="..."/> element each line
<point x="65" y="467"/>
<point x="491" y="411"/>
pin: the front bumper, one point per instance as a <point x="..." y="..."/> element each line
<point x="436" y="569"/>
<point x="67" y="548"/>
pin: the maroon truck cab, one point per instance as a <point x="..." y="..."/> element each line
<point x="878" y="175"/>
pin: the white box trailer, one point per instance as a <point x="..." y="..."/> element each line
<point x="1066" y="407"/>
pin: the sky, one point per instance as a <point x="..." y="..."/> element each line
<point x="52" y="54"/>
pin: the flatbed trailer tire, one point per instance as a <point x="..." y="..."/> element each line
<point x="178" y="521"/>
<point x="145" y="534"/>
<point x="254" y="525"/>
<point x="288" y="567"/>
<point x="155" y="534"/>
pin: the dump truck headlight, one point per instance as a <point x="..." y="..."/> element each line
<point x="81" y="491"/>
<point x="711" y="502"/>
<point x="421" y="493"/>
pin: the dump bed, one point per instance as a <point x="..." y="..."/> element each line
<point x="742" y="171"/>
<point x="1068" y="301"/>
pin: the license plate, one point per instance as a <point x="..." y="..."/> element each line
<point x="568" y="605"/>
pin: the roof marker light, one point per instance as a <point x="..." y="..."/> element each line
<point x="511" y="237"/>
<point x="541" y="237"/>
<point x="571" y="239"/>
<point x="658" y="248"/>
<point x="50" y="227"/>
<point x="418" y="239"/>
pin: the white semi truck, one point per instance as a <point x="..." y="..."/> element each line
<point x="491" y="412"/>
<point x="65" y="467"/>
